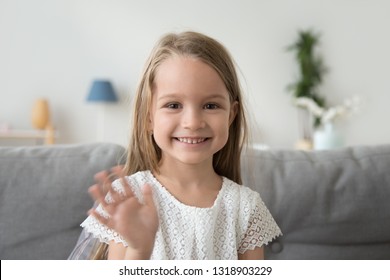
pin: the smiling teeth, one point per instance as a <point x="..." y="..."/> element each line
<point x="191" y="140"/>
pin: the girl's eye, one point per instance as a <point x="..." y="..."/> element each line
<point x="211" y="106"/>
<point x="173" y="105"/>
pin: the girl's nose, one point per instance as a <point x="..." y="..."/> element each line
<point x="193" y="119"/>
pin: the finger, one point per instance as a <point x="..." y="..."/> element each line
<point x="101" y="176"/>
<point x="103" y="179"/>
<point x="97" y="194"/>
<point x="116" y="195"/>
<point x="148" y="195"/>
<point x="118" y="170"/>
<point x="100" y="218"/>
<point x="106" y="177"/>
<point x="100" y="198"/>
<point x="126" y="187"/>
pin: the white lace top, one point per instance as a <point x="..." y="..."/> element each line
<point x="238" y="221"/>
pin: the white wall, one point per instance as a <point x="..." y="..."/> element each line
<point x="55" y="48"/>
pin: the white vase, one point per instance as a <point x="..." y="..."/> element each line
<point x="327" y="138"/>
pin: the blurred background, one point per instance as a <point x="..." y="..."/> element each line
<point x="56" y="49"/>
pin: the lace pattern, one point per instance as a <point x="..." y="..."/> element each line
<point x="261" y="228"/>
<point x="238" y="221"/>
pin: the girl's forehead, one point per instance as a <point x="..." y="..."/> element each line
<point x="178" y="72"/>
<point x="176" y="60"/>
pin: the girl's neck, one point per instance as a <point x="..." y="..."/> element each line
<point x="194" y="185"/>
<point x="188" y="175"/>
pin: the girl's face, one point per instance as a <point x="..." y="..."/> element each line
<point x="191" y="111"/>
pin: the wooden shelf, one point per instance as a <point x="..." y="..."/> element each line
<point x="48" y="136"/>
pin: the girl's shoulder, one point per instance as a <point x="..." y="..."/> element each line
<point x="241" y="197"/>
<point x="242" y="191"/>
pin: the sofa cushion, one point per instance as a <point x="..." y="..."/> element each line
<point x="329" y="204"/>
<point x="43" y="196"/>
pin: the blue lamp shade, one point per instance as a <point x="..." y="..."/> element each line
<point x="102" y="91"/>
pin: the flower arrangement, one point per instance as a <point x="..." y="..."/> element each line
<point x="328" y="115"/>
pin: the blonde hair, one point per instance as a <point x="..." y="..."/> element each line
<point x="143" y="152"/>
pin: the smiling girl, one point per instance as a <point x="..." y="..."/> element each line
<point x="181" y="197"/>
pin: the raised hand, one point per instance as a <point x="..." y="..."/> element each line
<point x="136" y="222"/>
<point x="105" y="178"/>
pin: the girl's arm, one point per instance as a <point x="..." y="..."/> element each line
<point x="255" y="254"/>
<point x="116" y="251"/>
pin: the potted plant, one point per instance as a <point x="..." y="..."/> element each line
<point x="313" y="111"/>
<point x="311" y="71"/>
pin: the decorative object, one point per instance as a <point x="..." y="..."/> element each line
<point x="325" y="135"/>
<point x="101" y="92"/>
<point x="311" y="70"/>
<point x="314" y="114"/>
<point x="40" y="114"/>
<point x="327" y="138"/>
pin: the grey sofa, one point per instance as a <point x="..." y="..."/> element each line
<point x="43" y="196"/>
<point x="329" y="204"/>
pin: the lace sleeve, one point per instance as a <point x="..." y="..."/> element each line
<point x="261" y="227"/>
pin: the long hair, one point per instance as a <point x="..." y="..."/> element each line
<point x="143" y="152"/>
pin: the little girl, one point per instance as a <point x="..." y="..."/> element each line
<point x="182" y="198"/>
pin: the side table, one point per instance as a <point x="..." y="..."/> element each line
<point x="48" y="136"/>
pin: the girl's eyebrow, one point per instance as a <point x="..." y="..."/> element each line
<point x="169" y="96"/>
<point x="218" y="96"/>
<point x="178" y="95"/>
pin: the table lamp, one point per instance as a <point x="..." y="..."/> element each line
<point x="101" y="92"/>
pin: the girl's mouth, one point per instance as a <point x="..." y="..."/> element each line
<point x="191" y="140"/>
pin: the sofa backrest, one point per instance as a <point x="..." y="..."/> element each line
<point x="43" y="196"/>
<point x="329" y="204"/>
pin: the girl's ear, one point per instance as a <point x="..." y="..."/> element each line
<point x="233" y="112"/>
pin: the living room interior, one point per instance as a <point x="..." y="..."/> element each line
<point x="56" y="57"/>
<point x="54" y="50"/>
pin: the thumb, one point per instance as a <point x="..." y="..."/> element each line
<point x="148" y="195"/>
